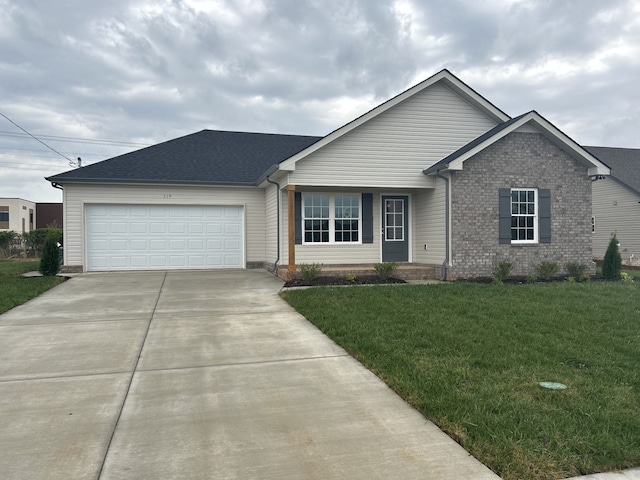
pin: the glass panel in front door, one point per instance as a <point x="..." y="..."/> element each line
<point x="394" y="220"/>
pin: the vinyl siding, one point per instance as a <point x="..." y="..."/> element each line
<point x="271" y="224"/>
<point x="76" y="196"/>
<point x="392" y="149"/>
<point x="429" y="222"/>
<point x="616" y="209"/>
<point x="335" y="253"/>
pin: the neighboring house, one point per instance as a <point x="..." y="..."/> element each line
<point x="616" y="203"/>
<point x="17" y="214"/>
<point x="49" y="214"/>
<point x="437" y="177"/>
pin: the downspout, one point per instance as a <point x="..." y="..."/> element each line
<point x="446" y="214"/>
<point x="275" y="264"/>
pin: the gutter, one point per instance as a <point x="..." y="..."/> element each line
<point x="446" y="248"/>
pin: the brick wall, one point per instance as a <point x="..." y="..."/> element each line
<point x="519" y="160"/>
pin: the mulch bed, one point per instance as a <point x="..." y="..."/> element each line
<point x="327" y="281"/>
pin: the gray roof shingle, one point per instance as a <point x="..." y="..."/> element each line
<point x="624" y="164"/>
<point x="206" y="157"/>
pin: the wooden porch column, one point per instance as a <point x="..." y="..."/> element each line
<point x="291" y="229"/>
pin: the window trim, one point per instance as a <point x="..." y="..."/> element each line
<point x="535" y="216"/>
<point x="332" y="218"/>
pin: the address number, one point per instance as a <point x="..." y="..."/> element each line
<point x="166" y="195"/>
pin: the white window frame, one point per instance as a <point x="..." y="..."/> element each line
<point x="332" y="219"/>
<point x="526" y="215"/>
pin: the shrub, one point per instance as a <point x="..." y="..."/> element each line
<point x="386" y="269"/>
<point x="576" y="271"/>
<point x="50" y="261"/>
<point x="612" y="263"/>
<point x="34" y="240"/>
<point x="501" y="271"/>
<point x="626" y="277"/>
<point x="310" y="272"/>
<point x="351" y="277"/>
<point x="8" y="240"/>
<point x="547" y="270"/>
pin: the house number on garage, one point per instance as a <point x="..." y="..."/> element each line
<point x="166" y="195"/>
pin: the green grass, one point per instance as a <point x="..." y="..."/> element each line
<point x="14" y="289"/>
<point x="470" y="358"/>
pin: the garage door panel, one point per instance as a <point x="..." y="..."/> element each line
<point x="121" y="237"/>
<point x="139" y="227"/>
<point x="156" y="228"/>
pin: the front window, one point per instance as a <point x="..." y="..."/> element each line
<point x="331" y="218"/>
<point x="524" y="215"/>
<point x="4" y="215"/>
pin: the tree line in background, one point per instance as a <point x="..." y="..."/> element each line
<point x="29" y="244"/>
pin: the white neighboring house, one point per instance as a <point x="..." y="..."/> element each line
<point x="17" y="214"/>
<point x="616" y="203"/>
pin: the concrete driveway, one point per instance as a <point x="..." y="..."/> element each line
<point x="200" y="375"/>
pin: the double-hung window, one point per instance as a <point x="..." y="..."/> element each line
<point x="524" y="215"/>
<point x="331" y="218"/>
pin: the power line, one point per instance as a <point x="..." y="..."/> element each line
<point x="71" y="162"/>
<point x="78" y="140"/>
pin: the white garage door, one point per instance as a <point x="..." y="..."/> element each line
<point x="163" y="237"/>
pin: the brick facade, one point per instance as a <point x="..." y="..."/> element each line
<point x="519" y="160"/>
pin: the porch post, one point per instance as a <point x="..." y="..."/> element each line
<point x="291" y="230"/>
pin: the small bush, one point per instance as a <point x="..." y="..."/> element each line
<point x="310" y="272"/>
<point x="626" y="277"/>
<point x="385" y="270"/>
<point x="612" y="263"/>
<point x="351" y="277"/>
<point x="8" y="240"/>
<point x="576" y="271"/>
<point x="34" y="240"/>
<point x="50" y="261"/>
<point x="531" y="279"/>
<point x="547" y="270"/>
<point x="501" y="271"/>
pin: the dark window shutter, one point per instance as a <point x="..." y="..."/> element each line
<point x="367" y="218"/>
<point x="544" y="215"/>
<point x="504" y="226"/>
<point x="298" y="217"/>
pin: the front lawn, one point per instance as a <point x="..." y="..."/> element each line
<point x="470" y="358"/>
<point x="14" y="289"/>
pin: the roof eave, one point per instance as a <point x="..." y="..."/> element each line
<point x="595" y="167"/>
<point x="137" y="181"/>
<point x="444" y="76"/>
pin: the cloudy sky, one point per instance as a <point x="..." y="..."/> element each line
<point x="95" y="79"/>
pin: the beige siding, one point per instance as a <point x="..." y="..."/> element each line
<point x="19" y="214"/>
<point x="334" y="254"/>
<point x="429" y="222"/>
<point x="393" y="149"/>
<point x="616" y="209"/>
<point x="76" y="196"/>
<point x="271" y="224"/>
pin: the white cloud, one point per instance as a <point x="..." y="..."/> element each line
<point x="150" y="70"/>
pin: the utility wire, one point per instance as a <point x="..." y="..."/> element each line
<point x="78" y="140"/>
<point x="71" y="162"/>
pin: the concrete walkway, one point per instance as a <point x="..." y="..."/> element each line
<point x="198" y="375"/>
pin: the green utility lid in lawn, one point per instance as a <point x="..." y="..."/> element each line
<point x="553" y="385"/>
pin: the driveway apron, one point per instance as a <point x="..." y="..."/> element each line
<point x="200" y="375"/>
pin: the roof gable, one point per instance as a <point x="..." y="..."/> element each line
<point x="205" y="157"/>
<point x="455" y="160"/>
<point x="624" y="163"/>
<point x="443" y="77"/>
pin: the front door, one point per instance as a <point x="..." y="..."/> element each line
<point x="395" y="229"/>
